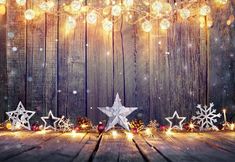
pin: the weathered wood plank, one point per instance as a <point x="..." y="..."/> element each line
<point x="99" y="69"/>
<point x="3" y="67"/>
<point x="16" y="54"/>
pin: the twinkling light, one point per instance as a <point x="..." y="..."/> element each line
<point x="184" y="13"/>
<point x="165" y="24"/>
<point x="114" y="133"/>
<point x="29" y="14"/>
<point x="2" y="9"/>
<point x="21" y="2"/>
<point x="3" y="2"/>
<point x="148" y="132"/>
<point x="128" y="3"/>
<point x="147" y="26"/>
<point x="107" y="25"/>
<point x="47" y="6"/>
<point x="129" y="136"/>
<point x="205" y="10"/>
<point x="75" y="5"/>
<point x="157" y="6"/>
<point x="91" y="17"/>
<point x="116" y="10"/>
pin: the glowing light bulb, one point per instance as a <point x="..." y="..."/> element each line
<point x="91" y="17"/>
<point x="185" y="13"/>
<point x="128" y="3"/>
<point x="2" y="10"/>
<point x="71" y="22"/>
<point x="165" y="24"/>
<point x="46" y="6"/>
<point x="114" y="134"/>
<point x="107" y="25"/>
<point x="21" y="2"/>
<point x="29" y="14"/>
<point x="157" y="6"/>
<point x="116" y="10"/>
<point x="205" y="10"/>
<point x="3" y="2"/>
<point x="147" y="26"/>
<point x="221" y="2"/>
<point x="75" y="5"/>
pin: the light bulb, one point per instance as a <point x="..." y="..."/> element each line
<point x="3" y="2"/>
<point x="21" y="2"/>
<point x="128" y="3"/>
<point x="71" y="22"/>
<point x="147" y="26"/>
<point x="75" y="5"/>
<point x="184" y="13"/>
<point x="29" y="14"/>
<point x="165" y="24"/>
<point x="46" y="6"/>
<point x="116" y="10"/>
<point x="157" y="6"/>
<point x="91" y="17"/>
<point x="205" y="10"/>
<point x="107" y="25"/>
<point x="2" y="10"/>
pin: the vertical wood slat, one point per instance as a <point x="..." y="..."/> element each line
<point x="3" y="68"/>
<point x="16" y="54"/>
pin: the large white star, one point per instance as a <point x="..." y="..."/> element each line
<point x="117" y="114"/>
<point x="20" y="117"/>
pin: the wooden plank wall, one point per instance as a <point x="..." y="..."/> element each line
<point x="72" y="73"/>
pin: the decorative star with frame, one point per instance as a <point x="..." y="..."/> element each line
<point x="117" y="114"/>
<point x="20" y="117"/>
<point x="176" y="117"/>
<point x="50" y="121"/>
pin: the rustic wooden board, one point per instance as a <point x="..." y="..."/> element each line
<point x="3" y="67"/>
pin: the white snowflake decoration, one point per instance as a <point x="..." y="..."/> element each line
<point x="206" y="117"/>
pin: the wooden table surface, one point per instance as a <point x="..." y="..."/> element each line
<point x="56" y="147"/>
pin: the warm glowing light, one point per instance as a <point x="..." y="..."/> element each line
<point x="232" y="126"/>
<point x="157" y="6"/>
<point x="129" y="136"/>
<point x="191" y="126"/>
<point x="3" y="2"/>
<point x="221" y="2"/>
<point x="107" y="2"/>
<point x="169" y="132"/>
<point x="29" y="14"/>
<point x="43" y="131"/>
<point x="21" y="2"/>
<point x="165" y="24"/>
<point x="91" y="17"/>
<point x="225" y="117"/>
<point x="83" y="126"/>
<point x="8" y="125"/>
<point x="148" y="132"/>
<point x="75" y="6"/>
<point x="71" y="23"/>
<point x="73" y="133"/>
<point x="166" y="8"/>
<point x="205" y="10"/>
<point x="128" y="3"/>
<point x="202" y="22"/>
<point x="147" y="26"/>
<point x="2" y="10"/>
<point x="116" y="10"/>
<point x="17" y="126"/>
<point x="107" y="25"/>
<point x="47" y="6"/>
<point x="184" y="13"/>
<point x="114" y="134"/>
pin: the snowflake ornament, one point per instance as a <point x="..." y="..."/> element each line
<point x="206" y="117"/>
<point x="65" y="125"/>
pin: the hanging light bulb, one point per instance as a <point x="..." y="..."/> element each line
<point x="165" y="24"/>
<point x="2" y="9"/>
<point x="185" y="13"/>
<point x="71" y="23"/>
<point x="47" y="6"/>
<point x="75" y="6"/>
<point x="91" y="17"/>
<point x="205" y="10"/>
<point x="29" y="14"/>
<point x="221" y="2"/>
<point x="147" y="26"/>
<point x="116" y="10"/>
<point x="128" y="3"/>
<point x="107" y="25"/>
<point x="3" y="2"/>
<point x="157" y="6"/>
<point x="21" y="2"/>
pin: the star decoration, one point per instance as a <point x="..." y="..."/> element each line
<point x="50" y="121"/>
<point x="176" y="117"/>
<point x="117" y="114"/>
<point x="64" y="124"/>
<point x="20" y="117"/>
